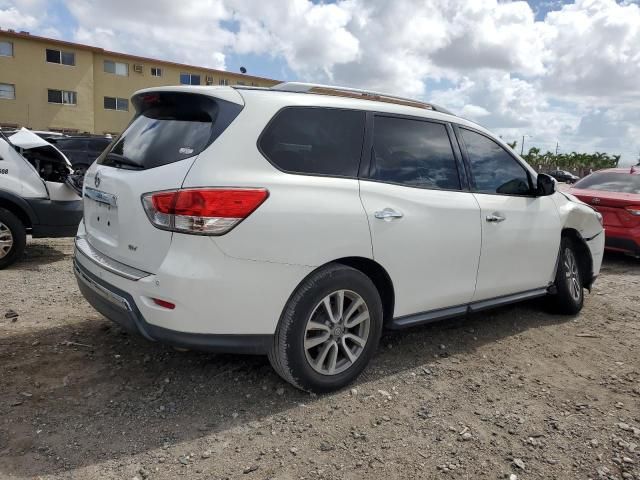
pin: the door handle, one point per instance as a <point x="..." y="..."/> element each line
<point x="495" y="218"/>
<point x="387" y="214"/>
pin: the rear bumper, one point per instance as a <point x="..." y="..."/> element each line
<point x="55" y="218"/>
<point x="222" y="304"/>
<point x="121" y="308"/>
<point x="625" y="240"/>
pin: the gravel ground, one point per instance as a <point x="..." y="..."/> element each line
<point x="513" y="393"/>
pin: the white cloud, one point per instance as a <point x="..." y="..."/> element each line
<point x="12" y="18"/>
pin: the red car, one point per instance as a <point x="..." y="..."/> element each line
<point x="615" y="193"/>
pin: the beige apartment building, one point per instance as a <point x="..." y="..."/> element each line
<point x="48" y="84"/>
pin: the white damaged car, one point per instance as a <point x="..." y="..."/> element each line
<point x="39" y="194"/>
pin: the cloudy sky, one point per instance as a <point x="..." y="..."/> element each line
<point x="553" y="70"/>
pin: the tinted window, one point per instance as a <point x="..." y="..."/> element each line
<point x="98" y="144"/>
<point x="414" y="153"/>
<point x="611" y="182"/>
<point x="53" y="56"/>
<point x="492" y="168"/>
<point x="72" y="144"/>
<point x="319" y="141"/>
<point x="168" y="127"/>
<point x="54" y="96"/>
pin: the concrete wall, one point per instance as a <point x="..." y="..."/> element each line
<point x="33" y="76"/>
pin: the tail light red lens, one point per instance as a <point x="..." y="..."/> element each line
<point x="202" y="211"/>
<point x="164" y="304"/>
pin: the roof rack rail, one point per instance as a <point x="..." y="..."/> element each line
<point x="318" y="89"/>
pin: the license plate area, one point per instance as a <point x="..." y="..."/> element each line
<point x="101" y="216"/>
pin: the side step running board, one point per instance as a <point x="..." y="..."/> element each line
<point x="461" y="310"/>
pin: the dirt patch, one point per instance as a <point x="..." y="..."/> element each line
<point x="515" y="391"/>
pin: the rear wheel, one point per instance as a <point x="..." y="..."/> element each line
<point x="329" y="330"/>
<point x="569" y="285"/>
<point x="13" y="238"/>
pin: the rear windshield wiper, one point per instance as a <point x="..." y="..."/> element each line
<point x="120" y="161"/>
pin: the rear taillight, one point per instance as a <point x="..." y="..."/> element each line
<point x="635" y="210"/>
<point x="202" y="211"/>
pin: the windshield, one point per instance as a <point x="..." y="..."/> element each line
<point x="622" y="182"/>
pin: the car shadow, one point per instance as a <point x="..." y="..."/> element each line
<point x="86" y="393"/>
<point x="38" y="253"/>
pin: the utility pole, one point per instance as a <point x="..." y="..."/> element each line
<point x="522" y="146"/>
<point x="557" y="144"/>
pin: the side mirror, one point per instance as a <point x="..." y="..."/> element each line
<point x="546" y="185"/>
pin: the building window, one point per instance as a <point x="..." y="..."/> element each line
<point x="224" y="81"/>
<point x="240" y="83"/>
<point x="189" y="79"/>
<point x="7" y="91"/>
<point x="63" y="58"/>
<point x="62" y="96"/>
<point x="156" y="72"/>
<point x="117" y="68"/>
<point x="6" y="49"/>
<point x="113" y="103"/>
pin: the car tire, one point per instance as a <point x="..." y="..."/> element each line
<point x="317" y="351"/>
<point x="13" y="238"/>
<point x="569" y="297"/>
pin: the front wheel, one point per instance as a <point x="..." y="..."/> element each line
<point x="329" y="330"/>
<point x="13" y="238"/>
<point x="569" y="298"/>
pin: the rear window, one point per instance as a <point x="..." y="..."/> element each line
<point x="315" y="141"/>
<point x="169" y="127"/>
<point x="611" y="182"/>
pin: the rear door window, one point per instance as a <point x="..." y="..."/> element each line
<point x="415" y="153"/>
<point x="315" y="141"/>
<point x="169" y="127"/>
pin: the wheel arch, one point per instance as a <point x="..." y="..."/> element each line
<point x="380" y="278"/>
<point x="18" y="207"/>
<point x="583" y="252"/>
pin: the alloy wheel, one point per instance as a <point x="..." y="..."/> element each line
<point x="336" y="332"/>
<point x="6" y="240"/>
<point x="572" y="274"/>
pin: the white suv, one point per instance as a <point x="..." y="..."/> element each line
<point x="301" y="220"/>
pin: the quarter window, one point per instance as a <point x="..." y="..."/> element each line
<point x="116" y="68"/>
<point x="189" y="79"/>
<point x="316" y="141"/>
<point x="64" y="97"/>
<point x="415" y="153"/>
<point x="7" y="91"/>
<point x="114" y="103"/>
<point x="493" y="169"/>
<point x="6" y="49"/>
<point x="61" y="57"/>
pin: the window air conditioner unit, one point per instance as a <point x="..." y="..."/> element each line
<point x="137" y="68"/>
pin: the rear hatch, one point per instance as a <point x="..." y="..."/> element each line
<point x="155" y="152"/>
<point x="612" y="205"/>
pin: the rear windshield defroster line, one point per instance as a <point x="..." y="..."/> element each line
<point x="169" y="127"/>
